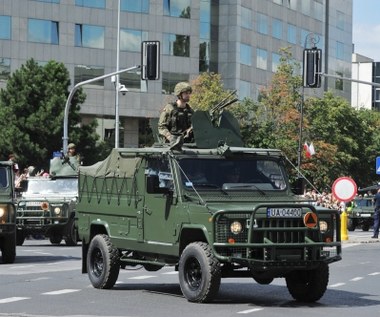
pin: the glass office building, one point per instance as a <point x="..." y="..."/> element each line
<point x="238" y="39"/>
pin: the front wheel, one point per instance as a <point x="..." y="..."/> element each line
<point x="308" y="286"/>
<point x="103" y="263"/>
<point x="199" y="273"/>
<point x="351" y="225"/>
<point x="8" y="249"/>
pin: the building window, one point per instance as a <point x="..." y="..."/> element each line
<point x="277" y="29"/>
<point x="139" y="6"/>
<point x="5" y="68"/>
<point x="48" y="1"/>
<point x="339" y="82"/>
<point x="318" y="11"/>
<point x="130" y="40"/>
<point x="245" y="54"/>
<point x="262" y="23"/>
<point x="262" y="59"/>
<point x="91" y="3"/>
<point x="5" y="27"/>
<point x="177" y="8"/>
<point x="246" y="18"/>
<point x="43" y="31"/>
<point x="280" y="2"/>
<point x="176" y="45"/>
<point x="131" y="80"/>
<point x="305" y="7"/>
<point x="169" y="80"/>
<point x="89" y="36"/>
<point x="85" y="72"/>
<point x="339" y="50"/>
<point x="204" y="55"/>
<point x="292" y="34"/>
<point x="244" y="89"/>
<point x="275" y="61"/>
<point x="340" y="20"/>
<point x="292" y="4"/>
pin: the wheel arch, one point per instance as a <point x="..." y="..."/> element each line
<point x="95" y="229"/>
<point x="192" y="234"/>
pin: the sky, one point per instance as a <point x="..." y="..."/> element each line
<point x="366" y="28"/>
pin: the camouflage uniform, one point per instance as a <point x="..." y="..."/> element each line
<point x="174" y="120"/>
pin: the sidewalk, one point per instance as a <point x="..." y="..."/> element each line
<point x="361" y="239"/>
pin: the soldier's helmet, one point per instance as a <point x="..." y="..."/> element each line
<point x="182" y="87"/>
<point x="71" y="146"/>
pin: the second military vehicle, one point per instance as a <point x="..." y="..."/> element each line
<point x="47" y="205"/>
<point x="212" y="209"/>
<point x="7" y="213"/>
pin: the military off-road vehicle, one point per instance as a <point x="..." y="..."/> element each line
<point x="360" y="211"/>
<point x="212" y="209"/>
<point x="7" y="212"/>
<point x="47" y="204"/>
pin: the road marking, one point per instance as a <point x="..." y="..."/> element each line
<point x="169" y="273"/>
<point x="336" y="285"/>
<point x="21" y="267"/>
<point x="374" y="273"/>
<point x="12" y="299"/>
<point x="141" y="277"/>
<point x="62" y="291"/>
<point x="355" y="279"/>
<point x="248" y="311"/>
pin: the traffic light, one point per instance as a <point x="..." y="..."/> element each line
<point x="150" y="60"/>
<point x="312" y="66"/>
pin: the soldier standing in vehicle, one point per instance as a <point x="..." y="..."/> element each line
<point x="376" y="215"/>
<point x="174" y="124"/>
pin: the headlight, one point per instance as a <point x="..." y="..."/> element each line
<point x="2" y="211"/>
<point x="323" y="226"/>
<point x="57" y="210"/>
<point x="236" y="227"/>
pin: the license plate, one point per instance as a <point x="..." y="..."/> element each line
<point x="284" y="212"/>
<point x="365" y="215"/>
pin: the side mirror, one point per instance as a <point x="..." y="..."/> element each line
<point x="298" y="186"/>
<point x="153" y="185"/>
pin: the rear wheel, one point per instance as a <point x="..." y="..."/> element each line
<point x="199" y="273"/>
<point x="71" y="238"/>
<point x="103" y="264"/>
<point x="308" y="286"/>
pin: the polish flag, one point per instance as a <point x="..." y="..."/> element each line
<point x="309" y="149"/>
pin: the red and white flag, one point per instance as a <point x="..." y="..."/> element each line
<point x="309" y="149"/>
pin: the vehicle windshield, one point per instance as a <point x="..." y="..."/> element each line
<point x="59" y="186"/>
<point x="3" y="177"/>
<point x="251" y="173"/>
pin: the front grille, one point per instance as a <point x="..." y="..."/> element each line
<point x="265" y="239"/>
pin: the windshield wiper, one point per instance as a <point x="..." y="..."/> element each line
<point x="205" y="185"/>
<point x="249" y="186"/>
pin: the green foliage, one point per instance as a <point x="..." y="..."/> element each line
<point x="346" y="140"/>
<point x="32" y="108"/>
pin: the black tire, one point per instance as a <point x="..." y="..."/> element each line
<point x="308" y="286"/>
<point x="365" y="227"/>
<point x="8" y="250"/>
<point x="351" y="225"/>
<point x="103" y="264"/>
<point x="71" y="238"/>
<point x="199" y="273"/>
<point x="263" y="281"/>
<point x="55" y="238"/>
<point x="20" y="238"/>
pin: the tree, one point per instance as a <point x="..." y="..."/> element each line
<point x="32" y="108"/>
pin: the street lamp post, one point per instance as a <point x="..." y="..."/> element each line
<point x="117" y="83"/>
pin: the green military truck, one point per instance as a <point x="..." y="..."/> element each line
<point x="7" y="213"/>
<point x="360" y="213"/>
<point x="47" y="204"/>
<point x="212" y="209"/>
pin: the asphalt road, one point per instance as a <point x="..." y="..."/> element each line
<point x="46" y="280"/>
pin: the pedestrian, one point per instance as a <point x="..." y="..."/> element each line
<point x="174" y="124"/>
<point x="376" y="215"/>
